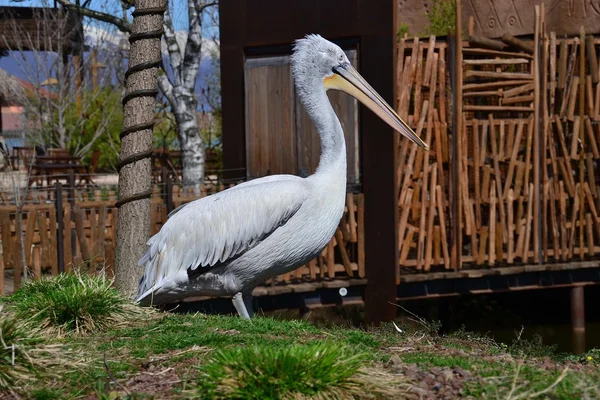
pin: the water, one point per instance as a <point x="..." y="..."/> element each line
<point x="505" y="316"/>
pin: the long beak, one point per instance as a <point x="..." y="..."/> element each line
<point x="347" y="79"/>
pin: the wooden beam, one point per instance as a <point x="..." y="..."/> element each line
<point x="379" y="163"/>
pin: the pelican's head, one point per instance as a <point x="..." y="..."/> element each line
<point x="317" y="58"/>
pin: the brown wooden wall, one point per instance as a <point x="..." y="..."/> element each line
<point x="247" y="25"/>
<point x="280" y="137"/>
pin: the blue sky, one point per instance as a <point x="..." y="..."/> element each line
<point x="178" y="7"/>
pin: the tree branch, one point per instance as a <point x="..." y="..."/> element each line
<point x="172" y="47"/>
<point x="167" y="88"/>
<point x="193" y="46"/>
<point x="100" y="16"/>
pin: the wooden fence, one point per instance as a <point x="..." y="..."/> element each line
<point x="522" y="167"/>
<point x="87" y="239"/>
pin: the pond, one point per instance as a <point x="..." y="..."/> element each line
<point x="545" y="313"/>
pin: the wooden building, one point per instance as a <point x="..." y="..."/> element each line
<point x="266" y="131"/>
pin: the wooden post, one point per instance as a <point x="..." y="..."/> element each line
<point x="578" y="318"/>
<point x="537" y="148"/>
<point x="582" y="138"/>
<point x="169" y="194"/>
<point x="60" y="250"/>
<point x="456" y="251"/>
<point x="379" y="174"/>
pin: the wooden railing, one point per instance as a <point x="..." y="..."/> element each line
<point x="88" y="239"/>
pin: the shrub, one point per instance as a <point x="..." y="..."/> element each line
<point x="267" y="372"/>
<point x="72" y="303"/>
<point x="441" y="16"/>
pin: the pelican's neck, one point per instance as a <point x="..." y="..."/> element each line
<point x="333" y="144"/>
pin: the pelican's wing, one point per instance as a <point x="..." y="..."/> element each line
<point x="217" y="228"/>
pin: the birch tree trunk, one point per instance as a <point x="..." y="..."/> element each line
<point x="180" y="92"/>
<point x="135" y="179"/>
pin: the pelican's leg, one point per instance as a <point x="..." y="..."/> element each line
<point x="248" y="303"/>
<point x="240" y="306"/>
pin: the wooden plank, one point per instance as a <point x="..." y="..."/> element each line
<point x="520" y="44"/>
<point x="429" y="63"/>
<point x="502" y="84"/>
<point x="406" y="245"/>
<point x="574" y="89"/>
<point x="29" y="231"/>
<point x="481" y="41"/>
<point x="562" y="64"/>
<point x="424" y="199"/>
<point x="18" y="259"/>
<point x="498" y="108"/>
<point x="52" y="241"/>
<point x="442" y="217"/>
<point x="596" y="114"/>
<point x="513" y="158"/>
<point x="552" y="78"/>
<point x="476" y="170"/>
<point x="351" y="216"/>
<point x="510" y="138"/>
<point x="589" y="96"/>
<point x="498" y="180"/>
<point x="404" y="217"/>
<point x="590" y="234"/>
<point x="437" y="246"/>
<point x="496" y="61"/>
<point x="518" y="99"/>
<point x="590" y="137"/>
<point x="79" y="227"/>
<point x="67" y="238"/>
<point x="100" y="238"/>
<point x="529" y="222"/>
<point x="511" y="226"/>
<point x="561" y="136"/>
<point x="517" y="90"/>
<point x="563" y="221"/>
<point x="592" y="57"/>
<point x="537" y="115"/>
<point x="5" y="231"/>
<point x="361" y="235"/>
<point x="554" y="224"/>
<point x="591" y="174"/>
<point x="43" y="232"/>
<point x="485" y="93"/>
<point x="492" y="225"/>
<point x="471" y="50"/>
<point x="418" y="84"/>
<point x="573" y="221"/>
<point x="442" y="87"/>
<point x="498" y="75"/>
<point x="342" y="248"/>
<point x="431" y="213"/>
<point x="569" y="78"/>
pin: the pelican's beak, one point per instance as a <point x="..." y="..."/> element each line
<point x="347" y="79"/>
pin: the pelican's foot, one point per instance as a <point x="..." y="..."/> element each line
<point x="243" y="304"/>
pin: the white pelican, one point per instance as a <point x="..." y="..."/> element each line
<point x="228" y="243"/>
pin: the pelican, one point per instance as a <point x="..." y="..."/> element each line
<point x="228" y="243"/>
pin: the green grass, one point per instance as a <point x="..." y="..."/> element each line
<point x="215" y="357"/>
<point x="14" y="361"/>
<point x="270" y="373"/>
<point x="71" y="303"/>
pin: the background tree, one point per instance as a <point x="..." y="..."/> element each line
<point x="179" y="84"/>
<point x="179" y="89"/>
<point x="62" y="111"/>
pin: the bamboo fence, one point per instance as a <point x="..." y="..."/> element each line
<point x="526" y="155"/>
